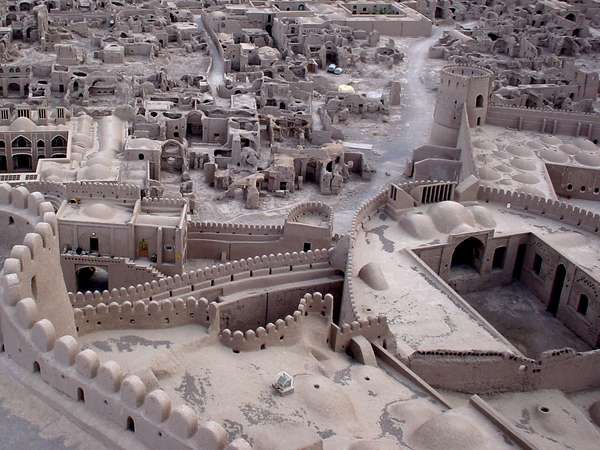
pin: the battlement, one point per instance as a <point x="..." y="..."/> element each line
<point x="155" y="314"/>
<point x="182" y="284"/>
<point x="283" y="331"/>
<point x="549" y="112"/>
<point x="465" y="71"/>
<point x="374" y="329"/>
<point x="58" y="192"/>
<point x="297" y="213"/>
<point x="553" y="209"/>
<point x="317" y="304"/>
<point x="153" y="202"/>
<point x="364" y="212"/>
<point x="234" y="228"/>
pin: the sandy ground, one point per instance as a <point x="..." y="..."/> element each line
<point x="520" y="316"/>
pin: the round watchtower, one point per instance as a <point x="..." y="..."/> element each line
<point x="460" y="85"/>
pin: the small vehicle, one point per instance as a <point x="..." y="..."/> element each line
<point x="338" y="71"/>
<point x="331" y="68"/>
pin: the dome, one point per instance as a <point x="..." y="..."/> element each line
<point x="483" y="216"/>
<point x="586" y="144"/>
<point x="523" y="164"/>
<point x="551" y="140"/>
<point x="526" y="178"/>
<point x="418" y="225"/>
<point x="373" y="276"/>
<point x="534" y="145"/>
<point x="519" y="150"/>
<point x="23" y="124"/>
<point x="484" y="144"/>
<point x="503" y="168"/>
<point x="554" y="156"/>
<point x="488" y="174"/>
<point x="569" y="149"/>
<point x="588" y="159"/>
<point x="99" y="210"/>
<point x="449" y="431"/>
<point x="447" y="216"/>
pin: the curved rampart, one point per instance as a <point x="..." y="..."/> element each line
<point x="283" y="331"/>
<point x="140" y="315"/>
<point x="216" y="275"/>
<point x="295" y="214"/>
<point x="364" y="213"/>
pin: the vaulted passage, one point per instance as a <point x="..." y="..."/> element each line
<point x="557" y="287"/>
<point x="467" y="255"/>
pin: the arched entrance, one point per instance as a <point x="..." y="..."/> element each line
<point x="92" y="278"/>
<point x="194" y="125"/>
<point x="468" y="255"/>
<point x="557" y="287"/>
<point x="22" y="163"/>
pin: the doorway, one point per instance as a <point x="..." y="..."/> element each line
<point x="518" y="269"/>
<point x="94" y="244"/>
<point x="557" y="287"/>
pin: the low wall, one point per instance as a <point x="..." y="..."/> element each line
<point x="140" y="315"/>
<point x="234" y="228"/>
<point x="121" y="271"/>
<point x="348" y="308"/>
<point x="282" y="331"/>
<point x="544" y="121"/>
<point x="552" y="209"/>
<point x="489" y="372"/>
<point x="574" y="182"/>
<point x="216" y="275"/>
<point x="56" y="192"/>
<point x="374" y="329"/>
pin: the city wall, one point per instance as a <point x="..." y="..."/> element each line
<point x="554" y="122"/>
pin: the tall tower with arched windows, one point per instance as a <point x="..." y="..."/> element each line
<point x="460" y="86"/>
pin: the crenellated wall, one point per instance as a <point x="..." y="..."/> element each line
<point x="283" y="331"/>
<point x="375" y="329"/>
<point x="215" y="276"/>
<point x="234" y="228"/>
<point x="552" y="209"/>
<point x="139" y="315"/>
<point x="544" y="121"/>
<point x="56" y="192"/>
<point x="349" y="311"/>
<point x="223" y="241"/>
<point x="489" y="372"/>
